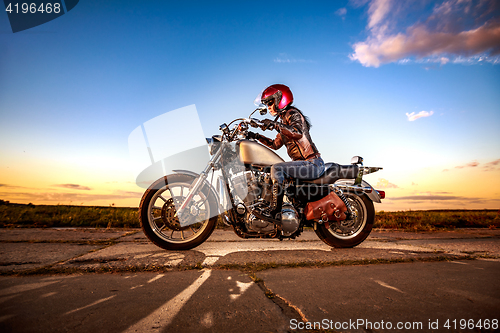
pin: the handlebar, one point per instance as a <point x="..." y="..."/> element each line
<point x="253" y="122"/>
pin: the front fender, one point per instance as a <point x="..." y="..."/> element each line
<point x="186" y="172"/>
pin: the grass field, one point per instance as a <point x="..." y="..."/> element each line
<point x="45" y="216"/>
<point x="431" y="220"/>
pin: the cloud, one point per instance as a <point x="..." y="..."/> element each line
<point x="430" y="198"/>
<point x="58" y="197"/>
<point x="284" y="58"/>
<point x="468" y="165"/>
<point x="10" y="186"/>
<point x="384" y="183"/>
<point x="378" y="10"/>
<point x="456" y="31"/>
<point x="491" y="165"/>
<point x="73" y="187"/>
<point x="496" y="162"/>
<point x="412" y="116"/>
<point x="341" y="12"/>
<point x="128" y="194"/>
<point x="446" y="200"/>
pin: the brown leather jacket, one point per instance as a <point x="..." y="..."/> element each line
<point x="293" y="132"/>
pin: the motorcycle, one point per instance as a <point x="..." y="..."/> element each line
<point x="181" y="210"/>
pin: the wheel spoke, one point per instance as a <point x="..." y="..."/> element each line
<point x="201" y="203"/>
<point x="162" y="207"/>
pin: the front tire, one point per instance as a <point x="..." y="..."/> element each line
<point x="352" y="232"/>
<point x="158" y="218"/>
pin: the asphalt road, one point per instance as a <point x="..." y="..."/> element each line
<point x="393" y="282"/>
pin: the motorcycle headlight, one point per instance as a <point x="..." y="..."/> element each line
<point x="214" y="143"/>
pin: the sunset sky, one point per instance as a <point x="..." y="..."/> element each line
<point x="412" y="86"/>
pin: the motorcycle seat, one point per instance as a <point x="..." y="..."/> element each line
<point x="334" y="172"/>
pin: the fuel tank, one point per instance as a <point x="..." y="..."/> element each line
<point x="256" y="154"/>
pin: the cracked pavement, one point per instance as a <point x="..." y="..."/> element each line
<point x="25" y="251"/>
<point x="229" y="284"/>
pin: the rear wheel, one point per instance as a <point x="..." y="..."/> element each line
<point x="158" y="214"/>
<point x="353" y="231"/>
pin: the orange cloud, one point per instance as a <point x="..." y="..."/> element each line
<point x="438" y="38"/>
<point x="384" y="183"/>
<point x="432" y="198"/>
<point x="66" y="197"/>
<point x="491" y="165"/>
<point x="10" y="186"/>
<point x="73" y="187"/>
<point x="468" y="165"/>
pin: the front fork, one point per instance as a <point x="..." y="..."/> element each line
<point x="183" y="211"/>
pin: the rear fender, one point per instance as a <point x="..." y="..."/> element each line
<point x="373" y="195"/>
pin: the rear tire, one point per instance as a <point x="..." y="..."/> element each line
<point x="349" y="233"/>
<point x="158" y="218"/>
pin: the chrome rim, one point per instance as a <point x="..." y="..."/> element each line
<point x="351" y="228"/>
<point x="162" y="217"/>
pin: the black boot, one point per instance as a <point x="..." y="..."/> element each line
<point x="277" y="201"/>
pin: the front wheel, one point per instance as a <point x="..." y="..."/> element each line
<point x="158" y="215"/>
<point x="350" y="232"/>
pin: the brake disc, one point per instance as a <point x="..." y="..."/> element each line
<point x="169" y="215"/>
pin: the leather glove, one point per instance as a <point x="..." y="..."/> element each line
<point x="268" y="124"/>
<point x="252" y="136"/>
<point x="254" y="123"/>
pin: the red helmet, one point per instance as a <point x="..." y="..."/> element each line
<point x="281" y="94"/>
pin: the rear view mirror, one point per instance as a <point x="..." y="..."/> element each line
<point x="357" y="160"/>
<point x="263" y="111"/>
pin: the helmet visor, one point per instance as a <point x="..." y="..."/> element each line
<point x="258" y="101"/>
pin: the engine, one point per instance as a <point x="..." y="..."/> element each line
<point x="257" y="193"/>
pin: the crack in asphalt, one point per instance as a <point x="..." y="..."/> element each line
<point x="52" y="269"/>
<point x="288" y="309"/>
<point x="56" y="268"/>
<point x="212" y="260"/>
<point x="17" y="263"/>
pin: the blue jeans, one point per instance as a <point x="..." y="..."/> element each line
<point x="306" y="170"/>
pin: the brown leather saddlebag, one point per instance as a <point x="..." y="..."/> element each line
<point x="329" y="208"/>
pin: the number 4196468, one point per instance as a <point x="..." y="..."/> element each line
<point x="471" y="324"/>
<point x="32" y="8"/>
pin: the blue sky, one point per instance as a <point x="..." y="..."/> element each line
<point x="73" y="89"/>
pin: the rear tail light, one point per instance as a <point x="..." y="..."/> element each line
<point x="382" y="194"/>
